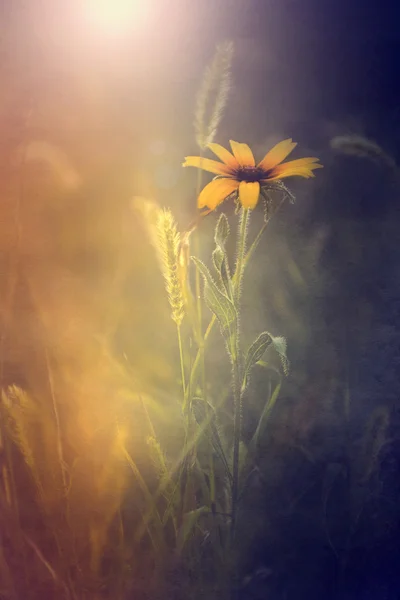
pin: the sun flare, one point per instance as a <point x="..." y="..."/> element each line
<point x="116" y="16"/>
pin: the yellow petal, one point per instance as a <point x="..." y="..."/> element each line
<point x="277" y="154"/>
<point x="297" y="173"/>
<point x="302" y="166"/>
<point x="243" y="154"/>
<point x="249" y="193"/>
<point x="207" y="164"/>
<point x="216" y="191"/>
<point x="224" y="155"/>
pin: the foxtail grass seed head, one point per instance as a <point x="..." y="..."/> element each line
<point x="157" y="457"/>
<point x="20" y="426"/>
<point x="361" y="147"/>
<point x="213" y="95"/>
<point x="168" y="243"/>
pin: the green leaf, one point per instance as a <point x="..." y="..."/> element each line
<point x="206" y="418"/>
<point x="254" y="354"/>
<point x="189" y="522"/>
<point x="280" y="345"/>
<point x="218" y="302"/>
<point x="256" y="351"/>
<point x="220" y="257"/>
<point x="221" y="231"/>
<point x="269" y="405"/>
<point x="220" y="261"/>
<point x="150" y="520"/>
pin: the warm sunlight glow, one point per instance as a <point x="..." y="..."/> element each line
<point x="116" y="16"/>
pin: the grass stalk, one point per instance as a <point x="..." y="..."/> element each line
<point x="58" y="426"/>
<point x="181" y="360"/>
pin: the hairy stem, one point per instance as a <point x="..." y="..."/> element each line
<point x="236" y="363"/>
<point x="178" y="330"/>
<point x="241" y="247"/>
<point x="197" y="251"/>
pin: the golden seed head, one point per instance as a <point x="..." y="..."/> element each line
<point x="213" y="95"/>
<point x="168" y="243"/>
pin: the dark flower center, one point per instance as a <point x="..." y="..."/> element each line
<point x="250" y="174"/>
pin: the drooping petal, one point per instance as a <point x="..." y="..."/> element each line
<point x="224" y="155"/>
<point x="249" y="193"/>
<point x="243" y="154"/>
<point x="208" y="165"/>
<point x="303" y="167"/>
<point x="298" y="173"/>
<point x="216" y="191"/>
<point x="277" y="154"/>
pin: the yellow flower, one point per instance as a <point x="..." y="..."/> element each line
<point x="238" y="172"/>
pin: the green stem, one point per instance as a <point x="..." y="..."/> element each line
<point x="252" y="248"/>
<point x="236" y="444"/>
<point x="197" y="253"/>
<point x="241" y="247"/>
<point x="178" y="329"/>
<point x="196" y="363"/>
<point x="236" y="365"/>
